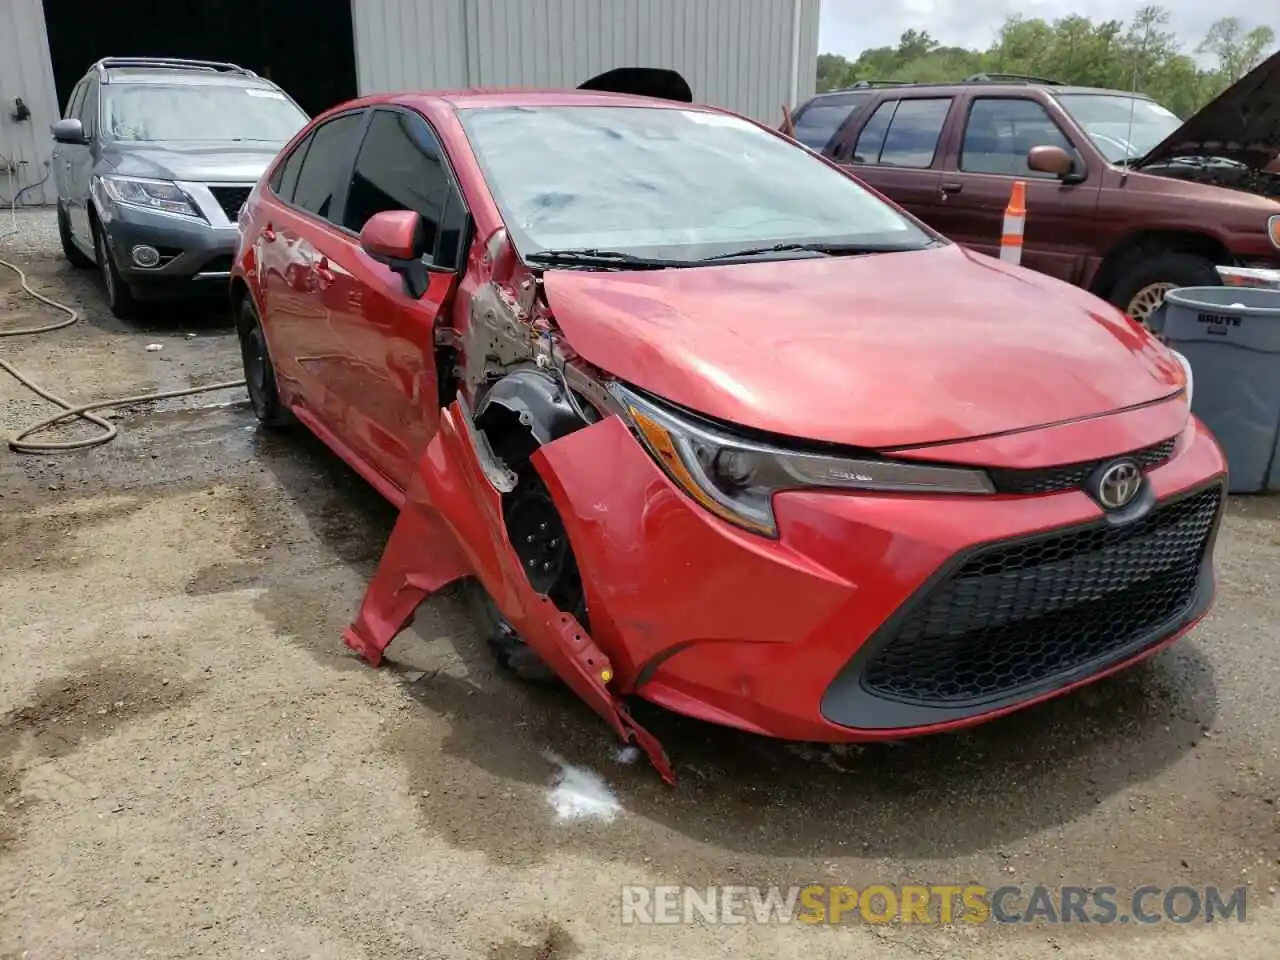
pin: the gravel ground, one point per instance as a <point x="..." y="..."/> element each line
<point x="191" y="763"/>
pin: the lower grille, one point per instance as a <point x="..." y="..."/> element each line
<point x="231" y="199"/>
<point x="1015" y="614"/>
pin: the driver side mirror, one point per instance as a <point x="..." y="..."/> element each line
<point x="70" y="131"/>
<point x="1053" y="159"/>
<point x="396" y="238"/>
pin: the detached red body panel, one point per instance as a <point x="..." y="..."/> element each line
<point x="815" y="498"/>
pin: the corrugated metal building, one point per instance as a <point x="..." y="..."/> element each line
<point x="26" y="73"/>
<point x="751" y="56"/>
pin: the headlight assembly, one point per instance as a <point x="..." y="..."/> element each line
<point x="1186" y="369"/>
<point x="161" y="195"/>
<point x="736" y="479"/>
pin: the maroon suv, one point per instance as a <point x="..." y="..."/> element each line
<point x="1123" y="198"/>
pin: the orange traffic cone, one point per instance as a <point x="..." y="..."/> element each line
<point x="1015" y="221"/>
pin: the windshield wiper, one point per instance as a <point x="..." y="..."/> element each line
<point x="830" y="249"/>
<point x="590" y="256"/>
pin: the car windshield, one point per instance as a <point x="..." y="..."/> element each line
<point x="1121" y="127"/>
<point x="204" y="112"/>
<point x="676" y="184"/>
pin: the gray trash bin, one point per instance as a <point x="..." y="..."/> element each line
<point x="1231" y="337"/>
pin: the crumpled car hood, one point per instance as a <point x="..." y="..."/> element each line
<point x="876" y="351"/>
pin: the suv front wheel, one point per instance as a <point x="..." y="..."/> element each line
<point x="119" y="296"/>
<point x="1141" y="288"/>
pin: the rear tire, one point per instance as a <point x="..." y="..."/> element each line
<point x="75" y="256"/>
<point x="540" y="541"/>
<point x="259" y="370"/>
<point x="1143" y="284"/>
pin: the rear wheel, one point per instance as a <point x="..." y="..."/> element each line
<point x="1142" y="286"/>
<point x="75" y="256"/>
<point x="540" y="541"/>
<point x="259" y="371"/>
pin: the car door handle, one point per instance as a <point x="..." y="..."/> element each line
<point x="325" y="275"/>
<point x="952" y="186"/>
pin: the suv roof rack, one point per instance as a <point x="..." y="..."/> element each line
<point x="167" y="63"/>
<point x="1010" y="78"/>
<point x="863" y="84"/>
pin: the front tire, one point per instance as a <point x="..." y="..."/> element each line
<point x="259" y="370"/>
<point x="119" y="296"/>
<point x="75" y="256"/>
<point x="1141" y="288"/>
<point x="541" y="542"/>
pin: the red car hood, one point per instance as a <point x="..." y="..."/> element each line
<point x="885" y="350"/>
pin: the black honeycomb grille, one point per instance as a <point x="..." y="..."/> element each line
<point x="1072" y="476"/>
<point x="1016" y="614"/>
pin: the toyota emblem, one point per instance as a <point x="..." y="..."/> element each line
<point x="1119" y="484"/>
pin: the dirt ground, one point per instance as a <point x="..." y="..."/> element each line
<point x="192" y="764"/>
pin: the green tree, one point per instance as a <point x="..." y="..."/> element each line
<point x="1142" y="55"/>
<point x="1237" y="50"/>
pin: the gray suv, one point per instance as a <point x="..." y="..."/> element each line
<point x="153" y="161"/>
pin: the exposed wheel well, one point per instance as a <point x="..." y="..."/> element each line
<point x="526" y="409"/>
<point x="1149" y="243"/>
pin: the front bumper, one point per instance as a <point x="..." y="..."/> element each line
<point x="783" y="637"/>
<point x="199" y="251"/>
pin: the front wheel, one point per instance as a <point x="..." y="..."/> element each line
<point x="539" y="539"/>
<point x="259" y="371"/>
<point x="119" y="296"/>
<point x="1142" y="287"/>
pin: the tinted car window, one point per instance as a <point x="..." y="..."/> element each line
<point x="285" y="179"/>
<point x="400" y="167"/>
<point x="912" y="139"/>
<point x="73" y="105"/>
<point x="88" y="112"/>
<point x="327" y="165"/>
<point x="1000" y="131"/>
<point x="871" y="139"/>
<point x="819" y="121"/>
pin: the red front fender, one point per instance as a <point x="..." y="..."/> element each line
<point x="451" y="526"/>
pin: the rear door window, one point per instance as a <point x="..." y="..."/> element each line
<point x="818" y="122"/>
<point x="285" y="180"/>
<point x="871" y="139"/>
<point x="401" y="166"/>
<point x="1000" y="131"/>
<point x="326" y="168"/>
<point x="912" y="137"/>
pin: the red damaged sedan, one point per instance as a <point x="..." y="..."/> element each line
<point x="704" y="421"/>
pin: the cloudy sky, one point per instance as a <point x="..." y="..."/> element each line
<point x="849" y="26"/>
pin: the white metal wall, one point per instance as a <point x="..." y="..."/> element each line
<point x="27" y="72"/>
<point x="734" y="53"/>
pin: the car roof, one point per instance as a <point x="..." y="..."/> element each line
<point x="191" y="77"/>
<point x="482" y="97"/>
<point x="987" y="86"/>
<point x="170" y="70"/>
